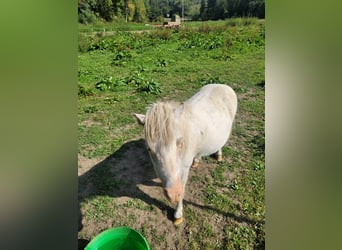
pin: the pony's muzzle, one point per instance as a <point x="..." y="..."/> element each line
<point x="172" y="195"/>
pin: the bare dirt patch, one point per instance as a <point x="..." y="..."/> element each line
<point x="85" y="164"/>
<point x="89" y="123"/>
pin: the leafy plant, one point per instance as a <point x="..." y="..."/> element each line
<point x="201" y="40"/>
<point x="103" y="44"/>
<point x="143" y="85"/>
<point x="110" y="83"/>
<point x="151" y="87"/>
<point x="161" y="62"/>
<point x="105" y="83"/>
<point x="121" y="58"/>
<point x="244" y="39"/>
<point x="117" y="43"/>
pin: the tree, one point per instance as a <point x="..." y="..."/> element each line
<point x="217" y="9"/>
<point x="204" y="10"/>
<point x="257" y="8"/>
<point x="119" y="8"/>
<point x="130" y="10"/>
<point x="86" y="11"/>
<point x="155" y="10"/>
<point x="140" y="11"/>
<point x="105" y="9"/>
<point x="221" y="10"/>
<point x="211" y="6"/>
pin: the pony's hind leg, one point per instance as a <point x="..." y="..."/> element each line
<point x="219" y="155"/>
<point x="195" y="163"/>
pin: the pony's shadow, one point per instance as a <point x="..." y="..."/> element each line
<point x="120" y="174"/>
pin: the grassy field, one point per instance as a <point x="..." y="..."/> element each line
<point x="102" y="28"/>
<point x="121" y="74"/>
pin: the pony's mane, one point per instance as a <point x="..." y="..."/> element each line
<point x="160" y="122"/>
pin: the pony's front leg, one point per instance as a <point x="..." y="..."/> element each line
<point x="179" y="213"/>
<point x="179" y="209"/>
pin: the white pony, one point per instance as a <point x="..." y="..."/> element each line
<point x="178" y="134"/>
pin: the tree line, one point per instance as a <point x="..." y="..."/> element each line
<point x="154" y="10"/>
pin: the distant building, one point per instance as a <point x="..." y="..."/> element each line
<point x="173" y="22"/>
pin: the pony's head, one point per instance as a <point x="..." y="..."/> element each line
<point x="165" y="145"/>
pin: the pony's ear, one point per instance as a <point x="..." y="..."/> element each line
<point x="180" y="142"/>
<point x="140" y="119"/>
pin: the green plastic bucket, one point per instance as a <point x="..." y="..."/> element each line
<point x="119" y="238"/>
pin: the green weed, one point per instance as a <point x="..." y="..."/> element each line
<point x="144" y="85"/>
<point x="84" y="92"/>
<point x="100" y="208"/>
<point x="121" y="58"/>
<point x="110" y="83"/>
<point x="209" y="79"/>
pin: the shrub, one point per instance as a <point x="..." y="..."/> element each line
<point x="184" y="31"/>
<point x="243" y="39"/>
<point x="103" y="44"/>
<point x="120" y="41"/>
<point x="249" y="21"/>
<point x="205" y="28"/>
<point x="233" y="22"/>
<point x="84" y="42"/>
<point x="197" y="40"/>
<point x="162" y="34"/>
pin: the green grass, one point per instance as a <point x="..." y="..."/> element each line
<point x="124" y="73"/>
<point x="115" y="26"/>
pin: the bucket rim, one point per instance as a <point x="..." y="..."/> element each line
<point x="104" y="234"/>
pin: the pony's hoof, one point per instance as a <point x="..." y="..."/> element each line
<point x="195" y="164"/>
<point x="178" y="221"/>
<point x="219" y="158"/>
